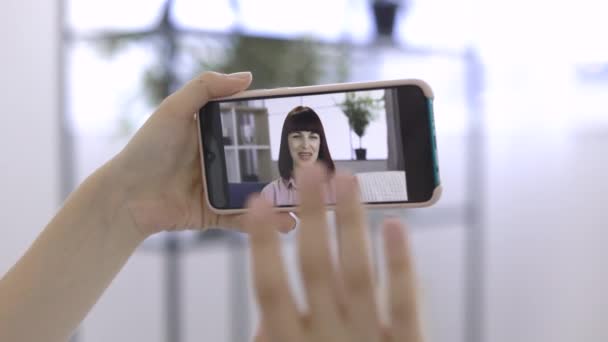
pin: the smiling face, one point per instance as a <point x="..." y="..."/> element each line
<point x="303" y="142"/>
<point x="304" y="147"/>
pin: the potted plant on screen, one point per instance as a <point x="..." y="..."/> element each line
<point x="360" y="110"/>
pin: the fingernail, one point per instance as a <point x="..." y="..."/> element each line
<point x="354" y="181"/>
<point x="345" y="185"/>
<point x="309" y="175"/>
<point x="240" y="75"/>
<point x="394" y="233"/>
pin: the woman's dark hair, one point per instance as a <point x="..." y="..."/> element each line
<point x="299" y="119"/>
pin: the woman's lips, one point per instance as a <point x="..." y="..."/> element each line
<point x="305" y="155"/>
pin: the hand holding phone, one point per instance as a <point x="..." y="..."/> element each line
<point x="383" y="132"/>
<point x="156" y="176"/>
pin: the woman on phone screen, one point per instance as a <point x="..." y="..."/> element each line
<point x="303" y="142"/>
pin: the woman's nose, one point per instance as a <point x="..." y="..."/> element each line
<point x="306" y="142"/>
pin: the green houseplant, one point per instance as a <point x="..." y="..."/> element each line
<point x="360" y="110"/>
<point x="274" y="62"/>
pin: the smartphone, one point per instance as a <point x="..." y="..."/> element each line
<point x="383" y="132"/>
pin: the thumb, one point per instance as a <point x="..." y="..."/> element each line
<point x="205" y="87"/>
<point x="260" y="335"/>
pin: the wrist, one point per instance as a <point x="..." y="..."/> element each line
<point x="110" y="195"/>
<point x="147" y="205"/>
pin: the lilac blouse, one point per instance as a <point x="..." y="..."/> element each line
<point x="283" y="192"/>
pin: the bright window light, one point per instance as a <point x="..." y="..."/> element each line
<point x="105" y="15"/>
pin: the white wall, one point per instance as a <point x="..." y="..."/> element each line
<point x="28" y="122"/>
<point x="546" y="239"/>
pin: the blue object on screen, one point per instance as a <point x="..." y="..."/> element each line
<point x="238" y="193"/>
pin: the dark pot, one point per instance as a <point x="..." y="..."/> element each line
<point x="384" y="13"/>
<point x="361" y="153"/>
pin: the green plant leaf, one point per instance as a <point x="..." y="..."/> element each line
<point x="360" y="110"/>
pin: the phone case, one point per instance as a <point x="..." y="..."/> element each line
<point x="285" y="91"/>
<point x="428" y="92"/>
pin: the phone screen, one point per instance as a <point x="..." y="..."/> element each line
<point x="255" y="145"/>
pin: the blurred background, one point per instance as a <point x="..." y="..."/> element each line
<point x="512" y="252"/>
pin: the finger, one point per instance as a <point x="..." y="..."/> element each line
<point x="287" y="222"/>
<point x="313" y="247"/>
<point x="277" y="306"/>
<point x="385" y="335"/>
<point x="354" y="257"/>
<point x="206" y="86"/>
<point x="282" y="222"/>
<point x="260" y="335"/>
<point x="404" y="322"/>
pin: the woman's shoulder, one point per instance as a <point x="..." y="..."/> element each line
<point x="273" y="183"/>
<point x="275" y="190"/>
<point x="273" y="186"/>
